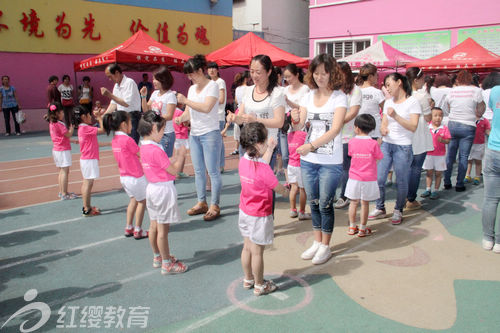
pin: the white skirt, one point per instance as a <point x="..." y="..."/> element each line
<point x="90" y="169"/>
<point x="62" y="159"/>
<point x="161" y="201"/>
<point x="437" y="163"/>
<point x="366" y="191"/>
<point x="259" y="229"/>
<point x="135" y="187"/>
<point x="181" y="142"/>
<point x="477" y="151"/>
<point x="295" y="176"/>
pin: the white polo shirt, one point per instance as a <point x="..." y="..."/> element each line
<point x="128" y="91"/>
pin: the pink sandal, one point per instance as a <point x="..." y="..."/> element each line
<point x="353" y="230"/>
<point x="364" y="233"/>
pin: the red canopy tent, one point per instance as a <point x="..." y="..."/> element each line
<point x="138" y="53"/>
<point x="381" y="55"/>
<point x="241" y="51"/>
<point x="466" y="55"/>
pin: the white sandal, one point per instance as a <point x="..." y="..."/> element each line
<point x="266" y="288"/>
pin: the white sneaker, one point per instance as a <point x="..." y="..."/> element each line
<point x="310" y="252"/>
<point x="322" y="255"/>
<point x="377" y="214"/>
<point x="496" y="248"/>
<point x="341" y="203"/>
<point x="488" y="245"/>
<point x="304" y="216"/>
<point x="293" y="213"/>
<point x="397" y="217"/>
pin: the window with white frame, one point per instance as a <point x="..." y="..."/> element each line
<point x="343" y="48"/>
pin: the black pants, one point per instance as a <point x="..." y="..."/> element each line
<point x="68" y="115"/>
<point x="6" y="115"/>
<point x="135" y="116"/>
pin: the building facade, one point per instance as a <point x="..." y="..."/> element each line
<point x="421" y="29"/>
<point x="41" y="38"/>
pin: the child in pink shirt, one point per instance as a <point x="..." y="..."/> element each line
<point x="161" y="196"/>
<point x="362" y="184"/>
<point x="181" y="138"/>
<point x="256" y="204"/>
<point x="476" y="154"/>
<point x="295" y="140"/>
<point x="132" y="177"/>
<point x="62" y="147"/>
<point x="89" y="158"/>
<point x="435" y="161"/>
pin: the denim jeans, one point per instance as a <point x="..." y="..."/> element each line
<point x="283" y="147"/>
<point x="491" y="176"/>
<point x="346" y="165"/>
<point x="400" y="157"/>
<point x="320" y="182"/>
<point x="222" y="124"/>
<point x="462" y="137"/>
<point x="205" y="154"/>
<point x="414" y="175"/>
<point x="167" y="142"/>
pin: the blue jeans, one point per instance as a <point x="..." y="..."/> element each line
<point x="222" y="124"/>
<point x="167" y="142"/>
<point x="462" y="137"/>
<point x="491" y="176"/>
<point x="283" y="147"/>
<point x="400" y="157"/>
<point x="346" y="165"/>
<point x="320" y="182"/>
<point x="205" y="154"/>
<point x="414" y="175"/>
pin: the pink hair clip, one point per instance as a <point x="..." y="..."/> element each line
<point x="53" y="107"/>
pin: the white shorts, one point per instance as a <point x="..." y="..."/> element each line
<point x="181" y="142"/>
<point x="437" y="163"/>
<point x="366" y="191"/>
<point x="477" y="151"/>
<point x="260" y="230"/>
<point x="295" y="176"/>
<point x="62" y="158"/>
<point x="236" y="132"/>
<point x="135" y="187"/>
<point x="161" y="201"/>
<point x="90" y="169"/>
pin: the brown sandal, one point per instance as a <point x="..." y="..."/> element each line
<point x="199" y="208"/>
<point x="212" y="213"/>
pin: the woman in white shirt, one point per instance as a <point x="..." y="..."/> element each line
<point x="422" y="138"/>
<point x="399" y="122"/>
<point x="441" y="88"/>
<point x="163" y="102"/>
<point x="373" y="98"/>
<point x="354" y="98"/>
<point x="324" y="108"/>
<point x="263" y="102"/>
<point x="204" y="140"/>
<point x="466" y="105"/>
<point x="213" y="72"/>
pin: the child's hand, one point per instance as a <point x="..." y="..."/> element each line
<point x="271" y="143"/>
<point x="143" y="91"/>
<point x="177" y="120"/>
<point x="230" y="117"/>
<point x="97" y="114"/>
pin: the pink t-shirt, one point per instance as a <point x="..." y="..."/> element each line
<point x="87" y="137"/>
<point x="295" y="140"/>
<point x="439" y="147"/>
<point x="57" y="131"/>
<point x="482" y="125"/>
<point x="257" y="183"/>
<point x="125" y="150"/>
<point x="181" y="131"/>
<point x="364" y="152"/>
<point x="155" y="162"/>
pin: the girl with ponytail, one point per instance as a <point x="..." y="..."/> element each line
<point x="132" y="177"/>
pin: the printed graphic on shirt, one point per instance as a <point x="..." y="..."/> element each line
<point x="320" y="123"/>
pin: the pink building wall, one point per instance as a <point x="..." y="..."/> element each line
<point x="29" y="73"/>
<point x="374" y="17"/>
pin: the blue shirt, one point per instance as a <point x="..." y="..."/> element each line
<point x="8" y="98"/>
<point x="494" y="104"/>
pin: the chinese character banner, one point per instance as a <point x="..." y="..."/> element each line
<point x="82" y="27"/>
